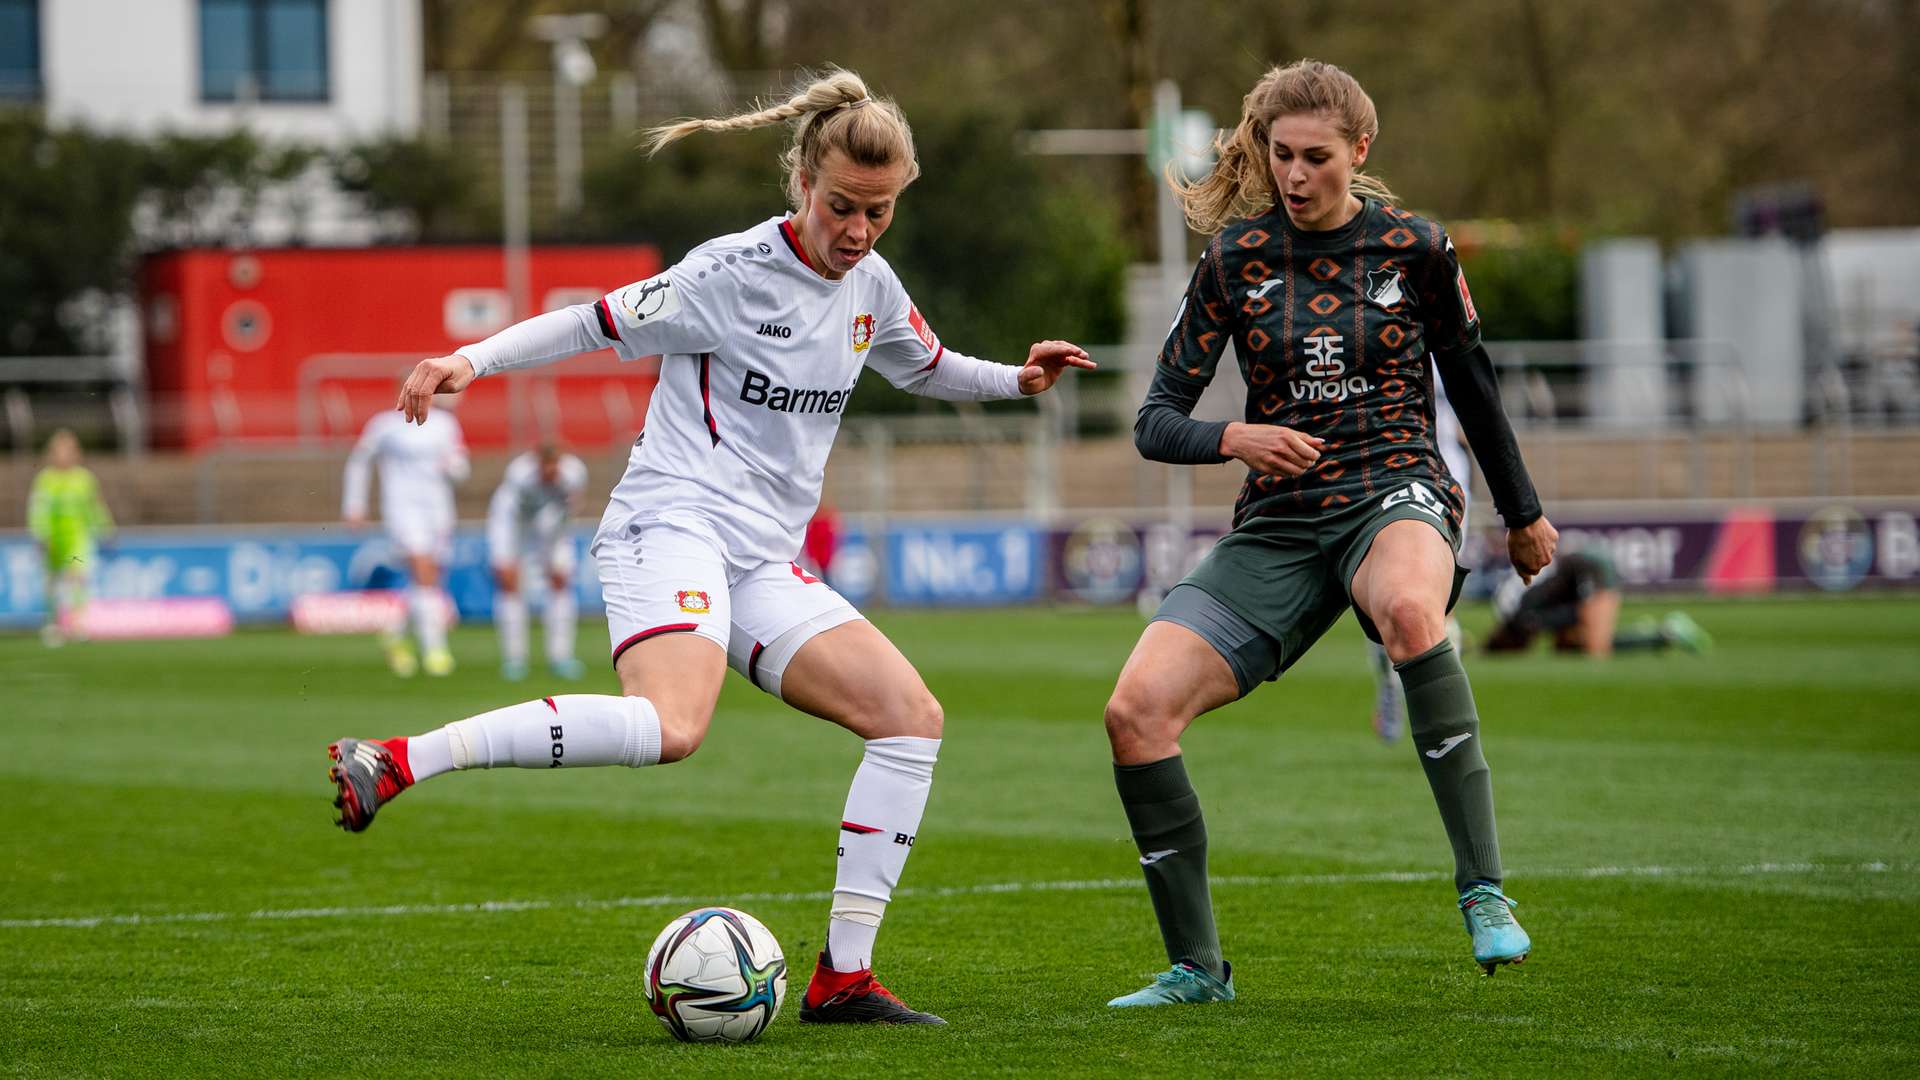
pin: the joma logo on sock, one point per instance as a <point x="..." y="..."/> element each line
<point x="559" y="749"/>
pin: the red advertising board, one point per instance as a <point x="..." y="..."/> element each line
<point x="302" y="345"/>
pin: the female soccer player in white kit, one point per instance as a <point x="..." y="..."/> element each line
<point x="419" y="465"/>
<point x="763" y="334"/>
<point x="527" y="529"/>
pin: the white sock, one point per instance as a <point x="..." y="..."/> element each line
<point x="510" y="618"/>
<point x="423" y="603"/>
<point x="884" y="805"/>
<point x="571" y="729"/>
<point x="561" y="619"/>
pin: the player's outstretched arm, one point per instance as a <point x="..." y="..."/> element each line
<point x="1047" y="361"/>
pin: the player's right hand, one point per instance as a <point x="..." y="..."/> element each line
<point x="1270" y="449"/>
<point x="440" y="375"/>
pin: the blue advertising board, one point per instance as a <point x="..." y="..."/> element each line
<point x="258" y="572"/>
<point x="965" y="563"/>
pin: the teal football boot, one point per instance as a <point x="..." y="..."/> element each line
<point x="1682" y="631"/>
<point x="1182" y="984"/>
<point x="1497" y="938"/>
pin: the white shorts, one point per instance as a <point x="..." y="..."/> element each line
<point x="422" y="534"/>
<point x="672" y="576"/>
<point x="511" y="542"/>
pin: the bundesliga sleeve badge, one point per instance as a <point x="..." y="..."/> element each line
<point x="654" y="298"/>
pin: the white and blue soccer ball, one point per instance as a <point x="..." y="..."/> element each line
<point x="716" y="974"/>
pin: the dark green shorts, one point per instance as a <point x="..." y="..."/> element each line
<point x="1291" y="579"/>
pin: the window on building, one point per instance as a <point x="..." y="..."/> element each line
<point x="266" y="50"/>
<point x="19" y="50"/>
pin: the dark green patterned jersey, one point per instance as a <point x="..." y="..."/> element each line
<point x="1332" y="331"/>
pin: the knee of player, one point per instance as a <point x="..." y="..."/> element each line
<point x="916" y="713"/>
<point x="680" y="736"/>
<point x="1131" y="715"/>
<point x="1411" y="626"/>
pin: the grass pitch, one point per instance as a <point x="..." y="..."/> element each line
<point x="1716" y="858"/>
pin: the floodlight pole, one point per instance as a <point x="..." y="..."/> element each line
<point x="573" y="68"/>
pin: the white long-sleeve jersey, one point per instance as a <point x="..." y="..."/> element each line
<point x="419" y="464"/>
<point x="759" y="355"/>
<point x="525" y="501"/>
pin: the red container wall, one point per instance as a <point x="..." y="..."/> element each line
<point x="302" y="346"/>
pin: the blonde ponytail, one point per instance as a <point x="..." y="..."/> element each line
<point x="834" y="111"/>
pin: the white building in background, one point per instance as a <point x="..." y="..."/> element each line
<point x="326" y="72"/>
<point x="321" y="73"/>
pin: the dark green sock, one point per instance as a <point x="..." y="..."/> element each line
<point x="1165" y="816"/>
<point x="1446" y="734"/>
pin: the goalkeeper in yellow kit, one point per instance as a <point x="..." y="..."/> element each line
<point x="66" y="516"/>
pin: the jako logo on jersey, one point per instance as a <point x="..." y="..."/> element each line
<point x="1383" y="287"/>
<point x="654" y="298"/>
<point x="862" y="332"/>
<point x="920" y="327"/>
<point x="757" y="389"/>
<point x="693" y="601"/>
<point x="1422" y="498"/>
<point x="768" y="329"/>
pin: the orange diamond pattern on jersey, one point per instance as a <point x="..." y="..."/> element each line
<point x="1272" y="404"/>
<point x="1253" y="239"/>
<point x="1256" y="306"/>
<point x="1324" y="304"/>
<point x="1400" y="460"/>
<point x="1261" y="375"/>
<point x="1399" y="237"/>
<point x="1324" y="269"/>
<point x="1334" y="500"/>
<point x="1330" y="469"/>
<point x="1391" y="335"/>
<point x="1258" y="339"/>
<point x="1255" y="272"/>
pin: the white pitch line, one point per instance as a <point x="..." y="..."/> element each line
<point x="486" y="907"/>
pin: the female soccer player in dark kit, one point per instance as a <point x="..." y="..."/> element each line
<point x="1333" y="298"/>
<point x="762" y="335"/>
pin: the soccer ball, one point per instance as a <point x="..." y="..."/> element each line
<point x="716" y="975"/>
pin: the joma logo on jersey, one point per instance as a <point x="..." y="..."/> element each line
<point x="768" y="329"/>
<point x="1420" y="496"/>
<point x="757" y="389"/>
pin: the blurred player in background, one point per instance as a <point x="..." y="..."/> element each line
<point x="762" y="335"/>
<point x="527" y="529"/>
<point x="419" y="466"/>
<point x="1577" y="602"/>
<point x="1333" y="298"/>
<point x="1389" y="701"/>
<point x="68" y="519"/>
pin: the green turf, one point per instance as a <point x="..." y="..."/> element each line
<point x="1716" y="859"/>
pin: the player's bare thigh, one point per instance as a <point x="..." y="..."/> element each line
<point x="681" y="675"/>
<point x="1172" y="676"/>
<point x="1403" y="585"/>
<point x="854" y="676"/>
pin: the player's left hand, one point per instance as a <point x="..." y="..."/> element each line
<point x="1046" y="360"/>
<point x="1531" y="548"/>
